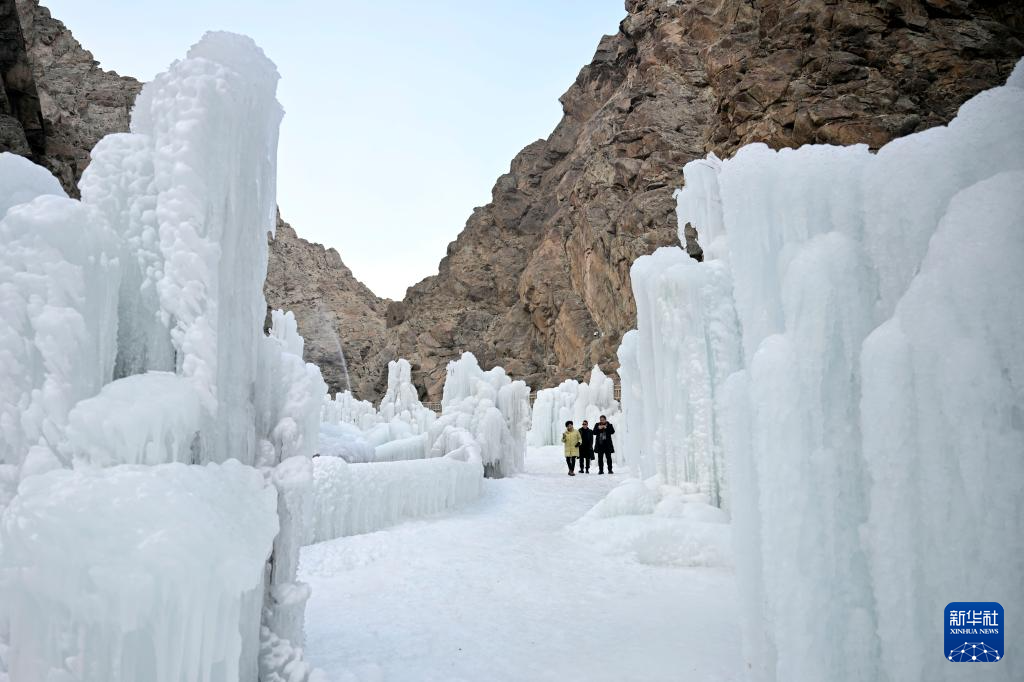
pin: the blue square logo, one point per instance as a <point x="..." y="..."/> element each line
<point x="974" y="632"/>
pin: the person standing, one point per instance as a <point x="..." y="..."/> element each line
<point x="603" y="445"/>
<point x="571" y="441"/>
<point x="586" y="447"/>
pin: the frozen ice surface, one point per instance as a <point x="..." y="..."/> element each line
<point x="658" y="524"/>
<point x="293" y="481"/>
<point x="571" y="401"/>
<point x="413" y="447"/>
<point x="152" y="583"/>
<point x="869" y="410"/>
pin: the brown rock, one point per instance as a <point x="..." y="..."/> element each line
<point x="341" y="320"/>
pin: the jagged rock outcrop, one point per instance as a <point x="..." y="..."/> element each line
<point x="538" y="281"/>
<point x="79" y="102"/>
<point x="341" y="320"/>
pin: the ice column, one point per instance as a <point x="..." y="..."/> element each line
<point x="58" y="298"/>
<point x="687" y="344"/>
<point x="212" y="123"/>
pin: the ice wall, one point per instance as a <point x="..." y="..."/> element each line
<point x="492" y="407"/>
<point x="571" y="400"/>
<point x="871" y="428"/>
<point x="361" y="498"/>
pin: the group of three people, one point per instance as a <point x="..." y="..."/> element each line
<point x="585" y="442"/>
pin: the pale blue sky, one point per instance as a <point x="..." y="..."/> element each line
<point x="400" y="115"/>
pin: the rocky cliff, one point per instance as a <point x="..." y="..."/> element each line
<point x="341" y="320"/>
<point x="77" y="101"/>
<point x="538" y="280"/>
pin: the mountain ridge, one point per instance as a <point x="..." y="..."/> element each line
<point x="538" y="279"/>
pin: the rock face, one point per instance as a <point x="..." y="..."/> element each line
<point x="341" y="320"/>
<point x="21" y="119"/>
<point x="78" y="101"/>
<point x="538" y="281"/>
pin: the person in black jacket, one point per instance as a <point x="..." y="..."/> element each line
<point x="586" y="448"/>
<point x="603" y="445"/>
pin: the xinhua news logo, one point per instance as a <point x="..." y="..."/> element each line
<point x="974" y="632"/>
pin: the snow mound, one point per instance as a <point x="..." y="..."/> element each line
<point x="654" y="524"/>
<point x="629" y="497"/>
<point x="23" y="181"/>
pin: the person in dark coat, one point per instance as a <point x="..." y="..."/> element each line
<point x="603" y="445"/>
<point x="586" y="447"/>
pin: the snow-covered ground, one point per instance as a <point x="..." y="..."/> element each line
<point x="506" y="589"/>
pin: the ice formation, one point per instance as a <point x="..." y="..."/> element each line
<point x="491" y="406"/>
<point x="178" y="604"/>
<point x="379" y="466"/>
<point x="571" y="400"/>
<point x="402" y="399"/>
<point x="362" y="498"/>
<point x="131" y="335"/>
<point x="672" y="371"/>
<point x="397" y="430"/>
<point x="852" y="347"/>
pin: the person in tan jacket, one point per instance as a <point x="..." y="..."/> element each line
<point x="571" y="442"/>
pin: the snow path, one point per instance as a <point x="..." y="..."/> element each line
<point x="501" y="590"/>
